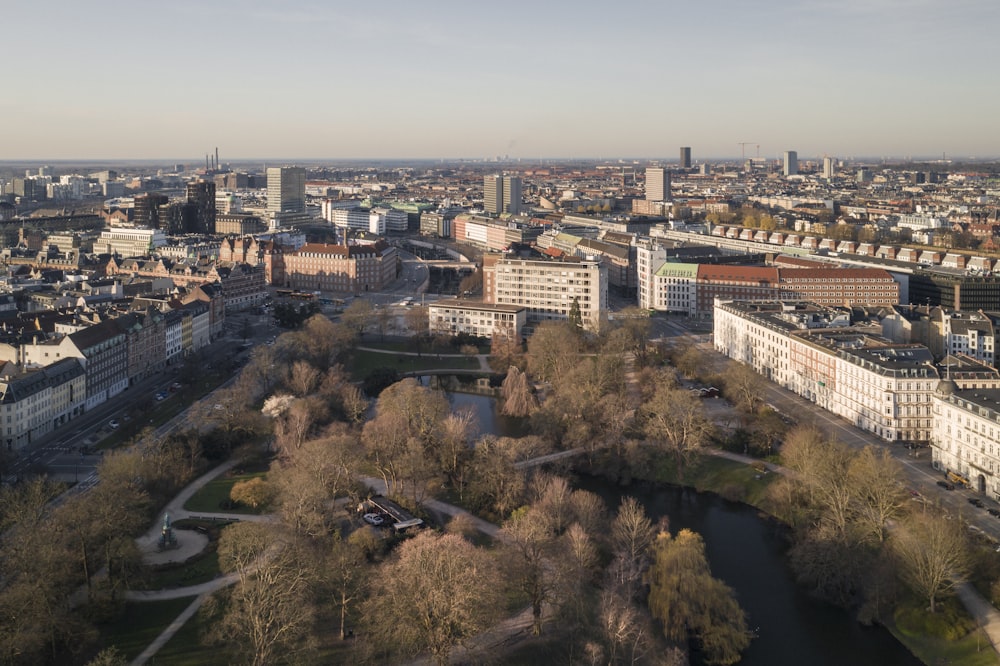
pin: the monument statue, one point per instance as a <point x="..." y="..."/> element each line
<point x="167" y="537"/>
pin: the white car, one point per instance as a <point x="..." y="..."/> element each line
<point x="113" y="424"/>
<point x="373" y="519"/>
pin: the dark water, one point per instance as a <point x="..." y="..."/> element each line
<point x="748" y="553"/>
<point x="488" y="418"/>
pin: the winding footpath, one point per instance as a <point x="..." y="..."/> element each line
<point x="202" y="591"/>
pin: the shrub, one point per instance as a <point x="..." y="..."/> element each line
<point x="950" y="623"/>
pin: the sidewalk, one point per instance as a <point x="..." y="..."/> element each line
<point x="190" y="543"/>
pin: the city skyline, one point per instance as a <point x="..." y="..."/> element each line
<point x="888" y="78"/>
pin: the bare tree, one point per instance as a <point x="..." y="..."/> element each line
<point x="506" y="349"/>
<point x="876" y="482"/>
<point x="303" y="379"/>
<point x="346" y="572"/>
<point x="357" y="315"/>
<point x="745" y="386"/>
<point x="625" y="629"/>
<point x="440" y="591"/>
<point x="675" y="420"/>
<point x="530" y="547"/>
<point x="270" y="611"/>
<point x="552" y="350"/>
<point x="632" y="535"/>
<point x="494" y="482"/>
<point x="933" y="555"/>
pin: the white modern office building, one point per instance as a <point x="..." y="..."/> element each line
<point x="456" y="315"/>
<point x="548" y="288"/>
<point x="127" y="242"/>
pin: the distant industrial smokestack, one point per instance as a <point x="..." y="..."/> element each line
<point x="207" y="165"/>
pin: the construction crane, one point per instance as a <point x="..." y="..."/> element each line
<point x="743" y="147"/>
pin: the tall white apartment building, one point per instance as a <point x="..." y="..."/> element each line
<point x="286" y="190"/>
<point x="791" y="167"/>
<point x="648" y="257"/>
<point x="548" y="288"/>
<point x="657" y="184"/>
<point x="502" y="194"/>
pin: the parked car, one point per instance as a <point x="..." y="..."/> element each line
<point x="946" y="485"/>
<point x="373" y="519"/>
<point x="975" y="501"/>
<point x="113" y="424"/>
<point x="161" y="396"/>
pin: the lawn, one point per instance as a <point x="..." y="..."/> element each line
<point x="140" y="623"/>
<point x="730" y="479"/>
<point x="186" y="649"/>
<point x="973" y="649"/>
<point x="363" y="363"/>
<point x="212" y="497"/>
<point x="201" y="570"/>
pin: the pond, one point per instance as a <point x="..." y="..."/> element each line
<point x="748" y="552"/>
<point x="488" y="416"/>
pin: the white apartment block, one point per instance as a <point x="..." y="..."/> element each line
<point x="548" y="288"/>
<point x="675" y="288"/>
<point x="129" y="242"/>
<point x="372" y="220"/>
<point x="972" y="335"/>
<point x="878" y="386"/>
<point x="965" y="439"/>
<point x="921" y="222"/>
<point x="391" y="219"/>
<point x="648" y="257"/>
<point x="452" y="316"/>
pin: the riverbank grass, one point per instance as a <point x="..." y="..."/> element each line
<point x="734" y="481"/>
<point x="949" y="636"/>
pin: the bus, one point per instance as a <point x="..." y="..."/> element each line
<point x="283" y="293"/>
<point x="302" y="296"/>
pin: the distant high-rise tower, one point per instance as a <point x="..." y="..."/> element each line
<point x="286" y="190"/>
<point x="828" y="167"/>
<point x="512" y="195"/>
<point x="146" y="209"/>
<point x="685" y="157"/>
<point x="791" y="163"/>
<point x="493" y="194"/>
<point x="201" y="207"/>
<point x="657" y="184"/>
<point x="502" y="194"/>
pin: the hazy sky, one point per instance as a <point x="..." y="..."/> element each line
<point x="464" y="78"/>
